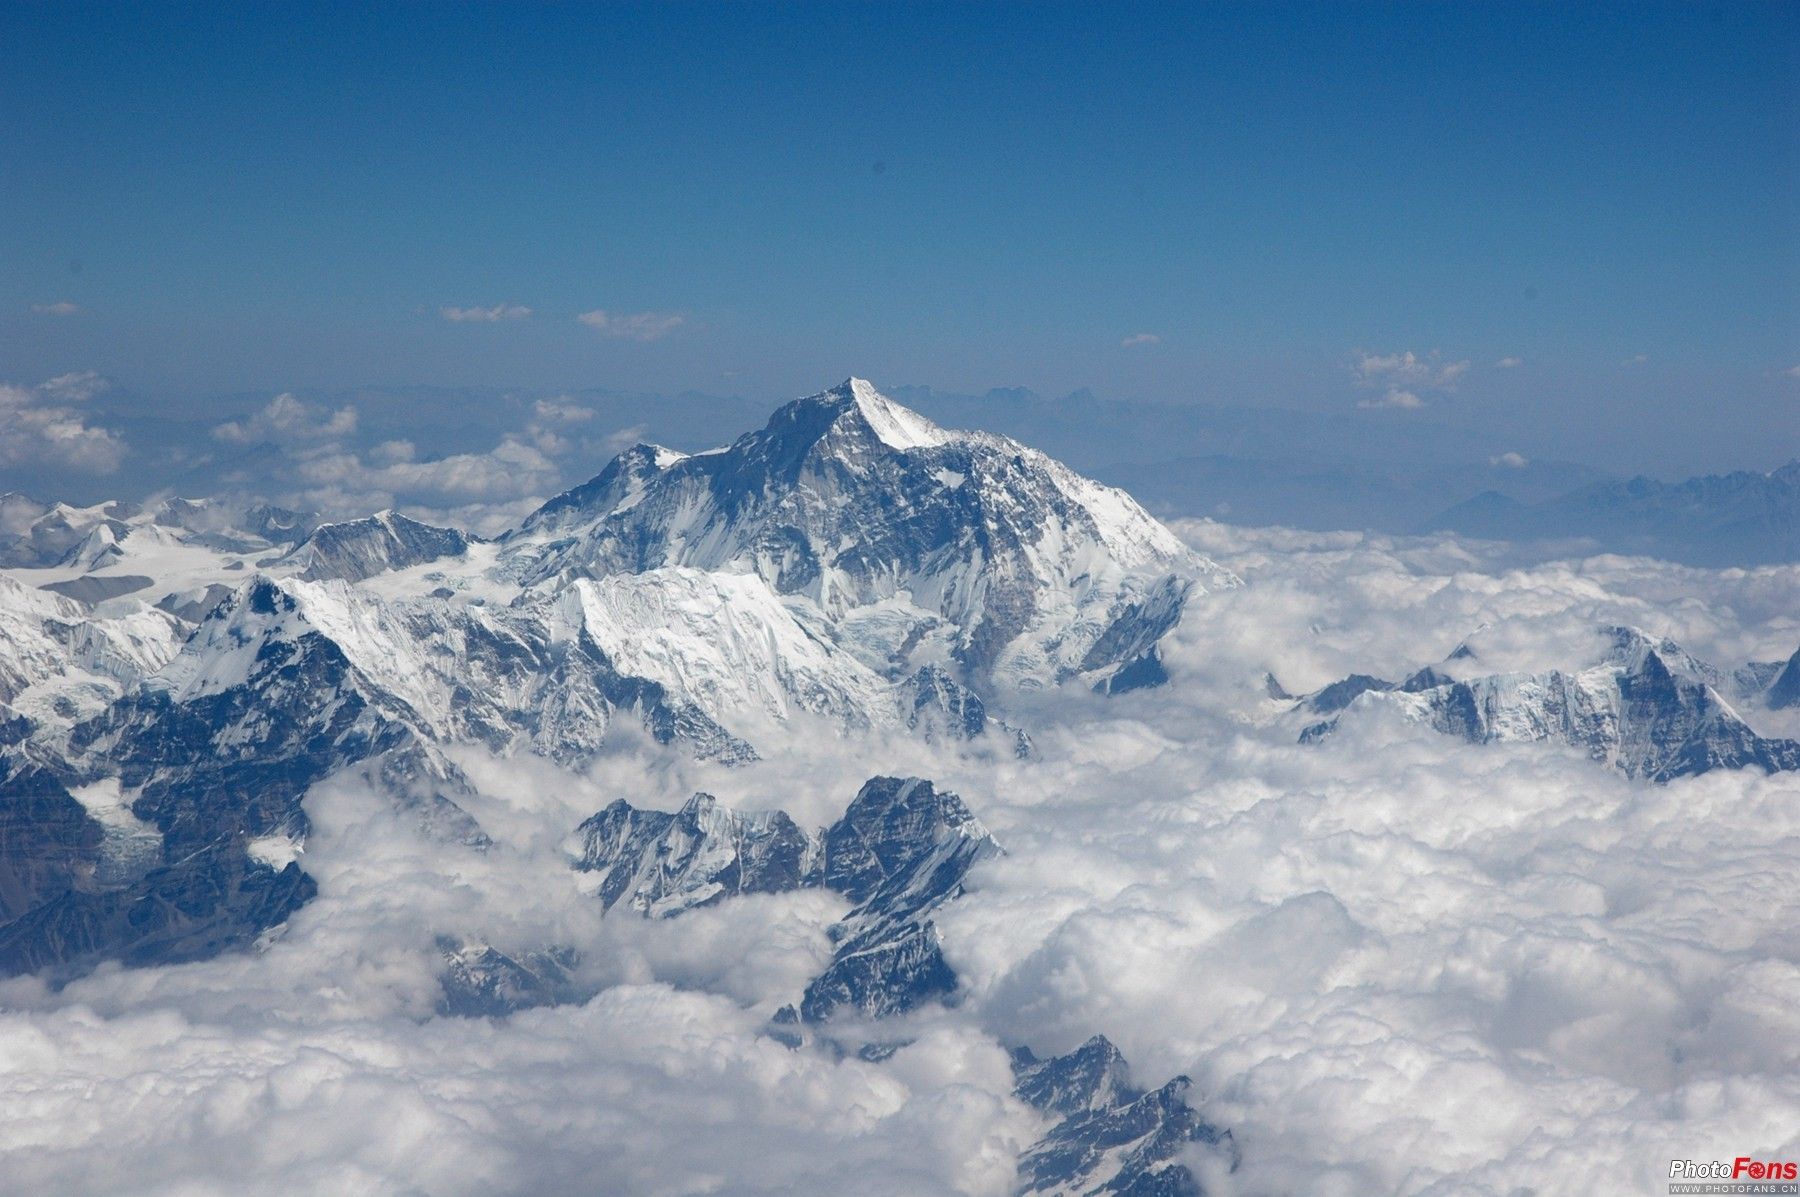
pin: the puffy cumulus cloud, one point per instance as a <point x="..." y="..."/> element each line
<point x="324" y="468"/>
<point x="485" y="492"/>
<point x="1392" y="962"/>
<point x="632" y="326"/>
<point x="43" y="423"/>
<point x="478" y="315"/>
<point x="1403" y="378"/>
<point x="61" y="307"/>
<point x="287" y="420"/>
<point x="1138" y="339"/>
<point x="344" y="480"/>
<point x="561" y="411"/>
<point x="1510" y="460"/>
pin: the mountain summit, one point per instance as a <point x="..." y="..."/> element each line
<point x="916" y="545"/>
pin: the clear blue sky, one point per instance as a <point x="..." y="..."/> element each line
<point x="262" y="196"/>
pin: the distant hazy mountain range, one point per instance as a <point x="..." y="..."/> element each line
<point x="1251" y="465"/>
<point x="1733" y="519"/>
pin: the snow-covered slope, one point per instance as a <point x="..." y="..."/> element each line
<point x="726" y="643"/>
<point x="60" y="661"/>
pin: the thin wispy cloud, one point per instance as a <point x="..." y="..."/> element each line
<point x="1792" y="371"/>
<point x="1509" y="363"/>
<point x="1511" y="461"/>
<point x="61" y="307"/>
<point x="632" y="326"/>
<point x="1636" y="359"/>
<point x="478" y="315"/>
<point x="1136" y="339"/>
<point x="1393" y="397"/>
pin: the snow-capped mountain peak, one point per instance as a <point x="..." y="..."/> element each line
<point x="914" y="544"/>
<point x="895" y="426"/>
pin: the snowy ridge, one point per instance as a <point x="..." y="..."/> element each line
<point x="1647" y="707"/>
<point x="58" y="659"/>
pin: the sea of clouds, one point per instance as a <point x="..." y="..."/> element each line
<point x="1391" y="962"/>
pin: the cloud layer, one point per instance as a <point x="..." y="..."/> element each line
<point x="1392" y="962"/>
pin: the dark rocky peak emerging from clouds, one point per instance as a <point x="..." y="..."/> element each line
<point x="901" y="850"/>
<point x="1109" y="1137"/>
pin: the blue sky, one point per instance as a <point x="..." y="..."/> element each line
<point x="1238" y="204"/>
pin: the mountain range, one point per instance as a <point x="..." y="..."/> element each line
<point x="176" y="677"/>
<point x="1744" y="518"/>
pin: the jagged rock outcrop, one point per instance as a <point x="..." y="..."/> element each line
<point x="1109" y="1137"/>
<point x="901" y="850"/>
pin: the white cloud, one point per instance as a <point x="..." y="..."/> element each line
<point x="1792" y="371"/>
<point x="1636" y="359"/>
<point x="1404" y="378"/>
<point x="499" y="312"/>
<point x="1509" y="363"/>
<point x="561" y="411"/>
<point x="41" y="425"/>
<point x="1511" y="460"/>
<point x="288" y="420"/>
<point x="1409" y="369"/>
<point x="1136" y="339"/>
<point x="343" y="480"/>
<point x="61" y="307"/>
<point x="632" y="326"/>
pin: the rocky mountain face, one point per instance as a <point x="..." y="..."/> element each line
<point x="1646" y="707"/>
<point x="665" y="864"/>
<point x="914" y="544"/>
<point x="1783" y="691"/>
<point x="1109" y="1137"/>
<point x="360" y="549"/>
<point x="901" y="850"/>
